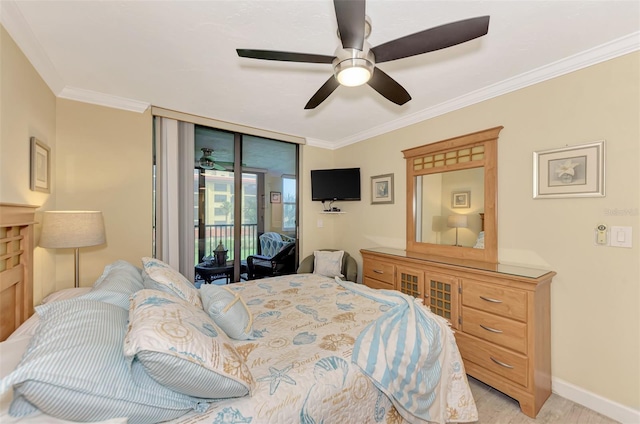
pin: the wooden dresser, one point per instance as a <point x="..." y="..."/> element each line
<point x="500" y="315"/>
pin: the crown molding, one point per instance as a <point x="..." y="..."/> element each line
<point x="604" y="52"/>
<point x="19" y="29"/>
<point x="16" y="25"/>
<point x="323" y="144"/>
<point x="101" y="99"/>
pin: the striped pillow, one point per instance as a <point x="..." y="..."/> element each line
<point x="74" y="369"/>
<point x="163" y="274"/>
<point x="228" y="310"/>
<point x="182" y="348"/>
<point x="116" y="284"/>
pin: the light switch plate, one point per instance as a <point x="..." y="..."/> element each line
<point x="621" y="237"/>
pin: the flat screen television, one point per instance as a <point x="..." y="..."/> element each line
<point x="335" y="184"/>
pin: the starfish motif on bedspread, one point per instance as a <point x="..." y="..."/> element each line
<point x="276" y="377"/>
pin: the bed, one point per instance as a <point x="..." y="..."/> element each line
<point x="305" y="348"/>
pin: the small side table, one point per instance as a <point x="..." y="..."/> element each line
<point x="209" y="272"/>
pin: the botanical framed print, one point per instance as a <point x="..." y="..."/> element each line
<point x="382" y="189"/>
<point x="460" y="199"/>
<point x="40" y="166"/>
<point x="276" y="197"/>
<point x="575" y="171"/>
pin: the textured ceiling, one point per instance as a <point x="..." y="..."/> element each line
<point x="181" y="55"/>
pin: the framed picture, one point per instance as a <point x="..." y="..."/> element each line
<point x="276" y="197"/>
<point x="40" y="166"/>
<point x="382" y="189"/>
<point x="576" y="171"/>
<point x="460" y="199"/>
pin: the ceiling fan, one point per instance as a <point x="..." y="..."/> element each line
<point x="207" y="160"/>
<point x="354" y="63"/>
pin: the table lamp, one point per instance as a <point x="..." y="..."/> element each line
<point x="457" y="221"/>
<point x="72" y="230"/>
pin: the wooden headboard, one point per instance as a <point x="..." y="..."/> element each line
<point x="16" y="266"/>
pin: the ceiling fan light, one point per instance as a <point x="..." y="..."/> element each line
<point x="353" y="72"/>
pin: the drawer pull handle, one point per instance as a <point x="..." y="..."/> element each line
<point x="493" y="330"/>
<point x="488" y="299"/>
<point x="377" y="271"/>
<point x="502" y="364"/>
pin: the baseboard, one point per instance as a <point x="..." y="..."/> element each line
<point x="601" y="405"/>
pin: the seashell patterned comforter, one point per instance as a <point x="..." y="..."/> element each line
<point x="306" y="329"/>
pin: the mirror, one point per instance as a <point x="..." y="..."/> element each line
<point x="450" y="208"/>
<point x="451" y="203"/>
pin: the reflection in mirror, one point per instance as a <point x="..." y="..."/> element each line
<point x="449" y="208"/>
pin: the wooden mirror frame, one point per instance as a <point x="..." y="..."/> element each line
<point x="478" y="149"/>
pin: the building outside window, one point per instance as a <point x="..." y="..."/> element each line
<point x="288" y="203"/>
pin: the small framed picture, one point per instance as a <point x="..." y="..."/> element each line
<point x="40" y="166"/>
<point x="576" y="171"/>
<point x="276" y="197"/>
<point x="382" y="189"/>
<point x="461" y="199"/>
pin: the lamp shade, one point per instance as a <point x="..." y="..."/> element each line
<point x="457" y="221"/>
<point x="72" y="229"/>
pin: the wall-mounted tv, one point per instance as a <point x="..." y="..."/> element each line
<point x="335" y="184"/>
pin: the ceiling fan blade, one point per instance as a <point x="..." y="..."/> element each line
<point x="388" y="87"/>
<point x="350" y="17"/>
<point x="324" y="92"/>
<point x="432" y="39"/>
<point x="284" y="56"/>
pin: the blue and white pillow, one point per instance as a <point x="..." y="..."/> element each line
<point x="328" y="263"/>
<point x="228" y="310"/>
<point x="163" y="274"/>
<point x="183" y="349"/>
<point x="116" y="284"/>
<point x="74" y="369"/>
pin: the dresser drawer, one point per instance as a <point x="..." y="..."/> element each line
<point x="496" y="329"/>
<point x="377" y="284"/>
<point x="504" y="301"/>
<point x="498" y="360"/>
<point x="382" y="271"/>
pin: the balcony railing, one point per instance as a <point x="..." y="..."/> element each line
<point x="216" y="233"/>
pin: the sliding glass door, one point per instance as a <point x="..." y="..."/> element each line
<point x="244" y="186"/>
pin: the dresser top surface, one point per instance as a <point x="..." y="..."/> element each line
<point x="519" y="271"/>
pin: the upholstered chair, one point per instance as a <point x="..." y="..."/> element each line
<point x="349" y="265"/>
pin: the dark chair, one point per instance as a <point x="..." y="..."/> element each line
<point x="282" y="263"/>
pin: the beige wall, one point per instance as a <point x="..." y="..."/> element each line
<point x="27" y="109"/>
<point x="596" y="294"/>
<point x="100" y="160"/>
<point x="104" y="163"/>
<point x="313" y="237"/>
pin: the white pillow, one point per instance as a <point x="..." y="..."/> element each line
<point x="162" y="273"/>
<point x="228" y="310"/>
<point x="181" y="348"/>
<point x="328" y="263"/>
